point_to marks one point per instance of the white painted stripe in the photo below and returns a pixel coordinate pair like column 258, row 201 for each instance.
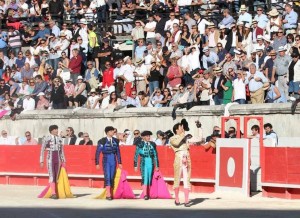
column 280, row 185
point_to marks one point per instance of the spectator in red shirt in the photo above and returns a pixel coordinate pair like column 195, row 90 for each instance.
column 108, row 75
column 75, row 65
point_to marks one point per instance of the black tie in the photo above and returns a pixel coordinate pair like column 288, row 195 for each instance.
column 54, row 140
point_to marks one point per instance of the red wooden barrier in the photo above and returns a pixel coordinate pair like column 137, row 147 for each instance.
column 20, row 165
column 281, row 172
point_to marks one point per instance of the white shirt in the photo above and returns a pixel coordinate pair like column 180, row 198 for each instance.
column 84, row 35
column 141, row 70
column 169, row 25
column 150, row 25
column 68, row 33
column 31, row 61
column 233, row 44
column 55, row 30
column 28, row 104
column 239, row 89
column 201, row 25
column 184, row 2
column 7, row 141
column 194, row 60
column 105, row 102
column 116, row 73
column 127, row 71
column 92, row 100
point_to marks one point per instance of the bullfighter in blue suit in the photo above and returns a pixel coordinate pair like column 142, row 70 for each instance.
column 147, row 150
column 109, row 146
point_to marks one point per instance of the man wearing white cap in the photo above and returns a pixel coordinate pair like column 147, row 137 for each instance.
column 280, row 68
column 43, row 103
column 209, row 58
column 28, row 103
column 83, row 32
column 244, row 16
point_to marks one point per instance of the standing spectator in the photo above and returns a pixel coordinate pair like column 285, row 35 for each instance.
column 108, row 75
column 153, row 76
column 14, row 40
column 140, row 74
column 174, row 74
column 227, row 89
column 255, row 132
column 43, row 103
column 200, row 22
column 160, row 26
column 169, row 23
column 275, row 22
column 294, row 76
column 217, row 89
column 269, row 65
column 256, row 81
column 280, row 68
column 189, row 21
column 256, row 31
column 105, row 53
column 126, row 72
column 57, row 94
column 150, row 29
column 138, row 31
column 239, row 88
column 213, row 37
column 75, row 65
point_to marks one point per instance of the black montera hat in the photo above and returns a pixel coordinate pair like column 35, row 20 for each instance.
column 146, row 133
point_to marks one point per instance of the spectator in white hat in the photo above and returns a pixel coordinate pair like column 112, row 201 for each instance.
column 244, row 16
column 43, row 103
column 275, row 22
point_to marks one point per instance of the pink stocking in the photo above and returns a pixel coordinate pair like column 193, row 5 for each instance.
column 176, row 195
column 186, row 195
column 145, row 190
column 53, row 188
column 108, row 191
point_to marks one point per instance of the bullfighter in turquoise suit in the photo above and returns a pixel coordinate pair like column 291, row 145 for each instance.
column 147, row 150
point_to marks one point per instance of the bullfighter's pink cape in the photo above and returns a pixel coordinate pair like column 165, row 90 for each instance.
column 158, row 189
column 124, row 190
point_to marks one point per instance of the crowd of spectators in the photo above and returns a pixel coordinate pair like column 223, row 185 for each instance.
column 181, row 57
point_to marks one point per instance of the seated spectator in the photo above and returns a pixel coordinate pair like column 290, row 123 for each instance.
column 92, row 101
column 144, row 99
column 5, row 139
column 86, row 140
column 28, row 103
column 80, row 93
column 156, row 98
column 43, row 103
column 69, row 93
column 29, row 140
column 126, row 101
column 114, row 101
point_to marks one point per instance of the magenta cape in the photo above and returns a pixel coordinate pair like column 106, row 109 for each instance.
column 159, row 188
column 124, row 190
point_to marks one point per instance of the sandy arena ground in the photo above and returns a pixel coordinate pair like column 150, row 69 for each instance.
column 21, row 201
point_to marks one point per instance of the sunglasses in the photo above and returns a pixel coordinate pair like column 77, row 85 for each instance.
column 27, row 135
column 136, row 133
column 86, row 136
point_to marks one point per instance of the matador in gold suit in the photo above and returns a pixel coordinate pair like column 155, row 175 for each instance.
column 182, row 162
